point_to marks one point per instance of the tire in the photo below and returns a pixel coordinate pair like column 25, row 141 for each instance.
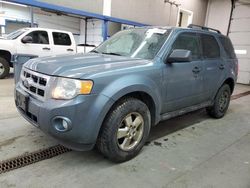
column 221, row 102
column 4, row 68
column 124, row 118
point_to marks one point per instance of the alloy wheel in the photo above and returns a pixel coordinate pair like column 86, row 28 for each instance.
column 2, row 69
column 130, row 131
column 223, row 101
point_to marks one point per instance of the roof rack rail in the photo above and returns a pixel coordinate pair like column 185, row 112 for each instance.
column 193, row 26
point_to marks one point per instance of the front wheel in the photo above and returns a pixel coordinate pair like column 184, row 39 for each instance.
column 125, row 130
column 4, row 68
column 221, row 102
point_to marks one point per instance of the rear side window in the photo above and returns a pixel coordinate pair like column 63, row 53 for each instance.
column 210, row 47
column 61, row 39
column 228, row 47
column 188, row 41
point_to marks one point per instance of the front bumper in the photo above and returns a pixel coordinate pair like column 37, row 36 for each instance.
column 86, row 113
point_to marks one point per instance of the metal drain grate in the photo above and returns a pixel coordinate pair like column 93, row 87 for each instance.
column 233, row 97
column 31, row 158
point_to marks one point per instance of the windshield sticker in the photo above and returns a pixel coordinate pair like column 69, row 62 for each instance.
column 150, row 32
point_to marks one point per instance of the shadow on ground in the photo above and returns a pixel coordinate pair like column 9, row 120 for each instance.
column 163, row 129
column 167, row 127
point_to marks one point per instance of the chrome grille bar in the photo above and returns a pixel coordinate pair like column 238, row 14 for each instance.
column 34, row 83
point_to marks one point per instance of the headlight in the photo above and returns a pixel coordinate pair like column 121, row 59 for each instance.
column 66, row 88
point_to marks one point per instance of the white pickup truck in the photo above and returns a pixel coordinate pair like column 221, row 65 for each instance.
column 37, row 42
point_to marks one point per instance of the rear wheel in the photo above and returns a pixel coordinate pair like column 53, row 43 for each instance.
column 4, row 68
column 125, row 130
column 221, row 102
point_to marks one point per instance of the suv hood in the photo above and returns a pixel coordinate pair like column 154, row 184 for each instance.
column 82, row 65
column 5, row 42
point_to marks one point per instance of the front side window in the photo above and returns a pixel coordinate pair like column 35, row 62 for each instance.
column 210, row 47
column 39, row 37
column 188, row 41
column 61, row 39
column 136, row 43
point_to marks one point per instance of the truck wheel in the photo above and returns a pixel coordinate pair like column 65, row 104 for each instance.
column 221, row 102
column 125, row 130
column 4, row 68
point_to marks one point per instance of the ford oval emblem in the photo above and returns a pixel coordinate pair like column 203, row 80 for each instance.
column 27, row 82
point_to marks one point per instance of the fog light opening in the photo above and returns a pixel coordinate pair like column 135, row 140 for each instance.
column 62, row 124
column 65, row 124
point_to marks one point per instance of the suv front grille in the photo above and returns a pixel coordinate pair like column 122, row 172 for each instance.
column 34, row 83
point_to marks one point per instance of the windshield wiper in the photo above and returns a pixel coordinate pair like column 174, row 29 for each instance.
column 94, row 51
column 111, row 53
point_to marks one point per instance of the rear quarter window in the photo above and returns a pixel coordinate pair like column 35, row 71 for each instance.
column 210, row 47
column 61, row 39
column 228, row 47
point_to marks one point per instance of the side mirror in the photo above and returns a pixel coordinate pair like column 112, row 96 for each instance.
column 27, row 39
column 179, row 56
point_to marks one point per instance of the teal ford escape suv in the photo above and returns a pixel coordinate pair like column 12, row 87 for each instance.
column 112, row 96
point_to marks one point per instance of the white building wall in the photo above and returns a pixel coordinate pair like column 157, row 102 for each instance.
column 157, row 12
column 44, row 19
column 53, row 21
column 82, row 32
column 218, row 14
column 145, row 11
column 95, row 6
column 11, row 12
column 94, row 32
column 240, row 36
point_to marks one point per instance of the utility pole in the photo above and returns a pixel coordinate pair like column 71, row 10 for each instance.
column 31, row 17
column 231, row 15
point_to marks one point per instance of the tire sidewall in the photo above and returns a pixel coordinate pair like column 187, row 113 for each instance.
column 122, row 111
column 219, row 113
column 5, row 63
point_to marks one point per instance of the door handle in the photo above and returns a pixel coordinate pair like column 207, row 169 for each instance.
column 221, row 66
column 196, row 70
column 70, row 50
column 46, row 48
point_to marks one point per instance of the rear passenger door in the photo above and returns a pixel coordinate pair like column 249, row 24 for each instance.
column 184, row 81
column 63, row 43
column 214, row 65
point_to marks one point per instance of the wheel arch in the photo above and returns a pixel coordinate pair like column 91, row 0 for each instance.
column 104, row 105
column 136, row 86
column 6, row 55
column 230, row 81
column 145, row 98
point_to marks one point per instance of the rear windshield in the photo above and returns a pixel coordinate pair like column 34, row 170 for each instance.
column 228, row 47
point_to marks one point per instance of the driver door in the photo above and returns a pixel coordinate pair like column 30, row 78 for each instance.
column 39, row 46
column 184, row 80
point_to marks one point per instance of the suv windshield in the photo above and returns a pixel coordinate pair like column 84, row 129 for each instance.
column 137, row 43
column 15, row 34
